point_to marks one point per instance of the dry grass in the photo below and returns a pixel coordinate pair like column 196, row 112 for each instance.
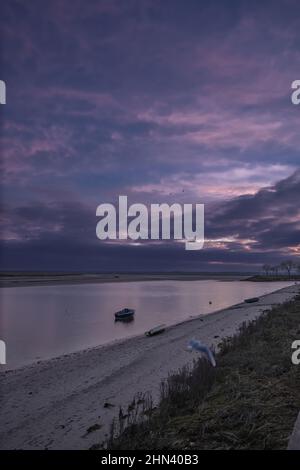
column 250, row 401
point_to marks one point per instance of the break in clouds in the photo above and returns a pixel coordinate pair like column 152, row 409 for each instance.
column 241, row 232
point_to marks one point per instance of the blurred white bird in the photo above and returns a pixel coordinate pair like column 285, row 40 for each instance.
column 203, row 349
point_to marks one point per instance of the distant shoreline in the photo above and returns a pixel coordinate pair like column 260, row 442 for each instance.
column 278, row 278
column 41, row 279
column 51, row 279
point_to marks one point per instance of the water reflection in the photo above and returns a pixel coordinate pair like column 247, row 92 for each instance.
column 47, row 321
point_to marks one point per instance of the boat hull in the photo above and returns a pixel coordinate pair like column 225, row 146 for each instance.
column 156, row 331
column 125, row 314
column 252, row 300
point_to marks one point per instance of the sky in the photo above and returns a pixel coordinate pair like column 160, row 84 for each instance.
column 162, row 101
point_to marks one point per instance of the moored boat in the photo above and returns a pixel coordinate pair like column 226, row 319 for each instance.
column 156, row 331
column 124, row 314
column 251, row 300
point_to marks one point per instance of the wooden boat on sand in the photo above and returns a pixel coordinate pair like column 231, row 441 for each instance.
column 251, row 300
column 156, row 331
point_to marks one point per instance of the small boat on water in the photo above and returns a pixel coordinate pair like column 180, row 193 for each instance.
column 156, row 331
column 251, row 300
column 125, row 314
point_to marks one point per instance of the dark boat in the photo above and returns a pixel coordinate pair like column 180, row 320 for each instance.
column 124, row 314
column 251, row 300
column 156, row 331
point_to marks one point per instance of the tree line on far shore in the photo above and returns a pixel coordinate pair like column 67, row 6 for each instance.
column 287, row 267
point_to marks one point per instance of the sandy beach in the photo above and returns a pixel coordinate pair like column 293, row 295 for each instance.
column 52, row 404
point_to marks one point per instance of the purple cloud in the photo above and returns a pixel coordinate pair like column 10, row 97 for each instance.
column 158, row 100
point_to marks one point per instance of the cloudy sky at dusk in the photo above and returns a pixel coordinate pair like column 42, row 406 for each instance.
column 163, row 101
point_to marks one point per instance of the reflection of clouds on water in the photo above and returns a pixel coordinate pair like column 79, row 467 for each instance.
column 48, row 321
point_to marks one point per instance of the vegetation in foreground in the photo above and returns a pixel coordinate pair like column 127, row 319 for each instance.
column 250, row 401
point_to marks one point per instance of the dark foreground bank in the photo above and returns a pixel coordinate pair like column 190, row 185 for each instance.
column 250, row 401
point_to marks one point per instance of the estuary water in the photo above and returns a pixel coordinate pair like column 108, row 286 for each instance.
column 42, row 322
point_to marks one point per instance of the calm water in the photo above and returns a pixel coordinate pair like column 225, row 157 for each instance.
column 47, row 321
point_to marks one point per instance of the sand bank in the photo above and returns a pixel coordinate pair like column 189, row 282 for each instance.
column 47, row 279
